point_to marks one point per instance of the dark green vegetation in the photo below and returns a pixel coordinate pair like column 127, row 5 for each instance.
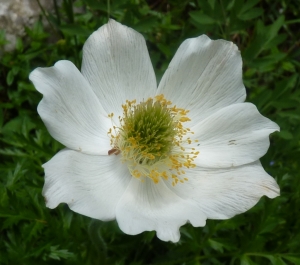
column 267, row 33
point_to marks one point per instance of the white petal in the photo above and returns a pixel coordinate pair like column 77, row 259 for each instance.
column 90, row 185
column 116, row 63
column 70, row 109
column 146, row 206
column 223, row 193
column 233, row 136
column 203, row 77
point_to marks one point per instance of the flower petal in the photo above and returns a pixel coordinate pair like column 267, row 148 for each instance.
column 116, row 63
column 223, row 193
column 233, row 136
column 70, row 109
column 90, row 185
column 146, row 206
column 203, row 77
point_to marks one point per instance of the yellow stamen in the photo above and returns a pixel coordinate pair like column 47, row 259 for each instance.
column 150, row 139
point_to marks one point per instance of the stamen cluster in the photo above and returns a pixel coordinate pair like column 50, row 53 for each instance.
column 150, row 139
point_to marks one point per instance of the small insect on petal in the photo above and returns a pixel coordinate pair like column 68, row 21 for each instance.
column 114, row 151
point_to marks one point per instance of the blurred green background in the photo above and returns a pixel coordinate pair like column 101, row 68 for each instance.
column 267, row 33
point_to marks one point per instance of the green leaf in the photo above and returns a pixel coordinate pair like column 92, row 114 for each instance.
column 19, row 45
column 10, row 77
column 295, row 258
column 251, row 14
column 216, row 245
column 58, row 254
column 201, row 18
column 245, row 260
column 275, row 27
column 212, row 4
column 263, row 37
column 248, row 5
column 146, row 24
column 285, row 135
column 3, row 40
column 75, row 30
column 97, row 5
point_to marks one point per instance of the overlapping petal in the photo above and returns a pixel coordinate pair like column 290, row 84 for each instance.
column 204, row 76
column 90, row 185
column 223, row 193
column 116, row 63
column 70, row 110
column 233, row 136
column 146, row 206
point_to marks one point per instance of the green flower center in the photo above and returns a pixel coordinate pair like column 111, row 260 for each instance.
column 150, row 139
column 149, row 131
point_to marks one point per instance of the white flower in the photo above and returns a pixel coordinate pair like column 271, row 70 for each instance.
column 153, row 158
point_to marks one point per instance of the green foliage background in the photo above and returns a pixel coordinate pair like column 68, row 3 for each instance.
column 267, row 33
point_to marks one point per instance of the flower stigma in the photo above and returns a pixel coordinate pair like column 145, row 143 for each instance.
column 150, row 140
